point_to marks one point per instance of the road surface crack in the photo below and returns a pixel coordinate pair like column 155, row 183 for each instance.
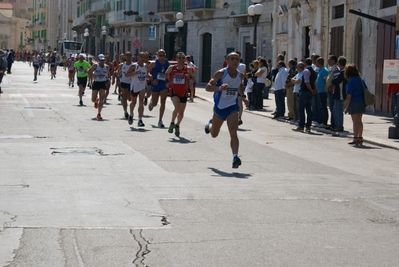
column 143, row 248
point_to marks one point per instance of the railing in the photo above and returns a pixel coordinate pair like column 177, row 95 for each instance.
column 79, row 20
column 200, row 4
column 169, row 6
column 100, row 6
column 119, row 16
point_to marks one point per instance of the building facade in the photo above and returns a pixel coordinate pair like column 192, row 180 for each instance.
column 15, row 22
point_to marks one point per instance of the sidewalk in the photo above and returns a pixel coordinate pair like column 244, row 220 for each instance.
column 375, row 126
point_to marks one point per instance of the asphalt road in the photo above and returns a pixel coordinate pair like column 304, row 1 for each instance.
column 77, row 192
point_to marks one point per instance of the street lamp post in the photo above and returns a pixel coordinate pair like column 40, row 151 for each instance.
column 74, row 35
column 86, row 35
column 103, row 33
column 255, row 11
column 179, row 25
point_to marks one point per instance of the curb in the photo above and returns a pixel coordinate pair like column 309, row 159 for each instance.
column 337, row 134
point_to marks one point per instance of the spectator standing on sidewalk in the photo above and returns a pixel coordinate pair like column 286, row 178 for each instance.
column 297, row 80
column 279, row 89
column 320, row 99
column 339, row 93
column 3, row 66
column 241, row 68
column 354, row 102
column 332, row 68
column 393, row 89
column 306, row 92
column 289, row 89
column 10, row 60
column 258, row 88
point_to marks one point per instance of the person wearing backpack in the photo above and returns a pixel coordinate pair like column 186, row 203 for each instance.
column 3, row 66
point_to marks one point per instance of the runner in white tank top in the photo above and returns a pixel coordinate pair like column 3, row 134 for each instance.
column 138, row 74
column 125, row 82
column 227, row 86
column 100, row 73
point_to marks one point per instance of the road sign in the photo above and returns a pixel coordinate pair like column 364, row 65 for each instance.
column 136, row 44
column 391, row 71
column 111, row 40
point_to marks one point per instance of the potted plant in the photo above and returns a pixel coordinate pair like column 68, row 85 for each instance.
column 151, row 13
column 138, row 18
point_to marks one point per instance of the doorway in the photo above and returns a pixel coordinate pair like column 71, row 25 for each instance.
column 206, row 57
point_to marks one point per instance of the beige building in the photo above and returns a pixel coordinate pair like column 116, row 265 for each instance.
column 15, row 33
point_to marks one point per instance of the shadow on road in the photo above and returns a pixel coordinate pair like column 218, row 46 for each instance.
column 181, row 140
column 230, row 175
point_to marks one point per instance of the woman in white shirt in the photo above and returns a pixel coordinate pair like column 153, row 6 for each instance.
column 260, row 75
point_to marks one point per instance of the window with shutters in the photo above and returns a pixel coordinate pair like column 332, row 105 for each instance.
column 337, row 41
column 338, row 12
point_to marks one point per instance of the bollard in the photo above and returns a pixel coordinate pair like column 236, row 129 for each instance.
column 393, row 132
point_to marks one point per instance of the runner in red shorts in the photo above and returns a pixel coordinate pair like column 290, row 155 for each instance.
column 178, row 76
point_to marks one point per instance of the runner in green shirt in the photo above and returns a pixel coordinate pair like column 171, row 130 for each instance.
column 81, row 67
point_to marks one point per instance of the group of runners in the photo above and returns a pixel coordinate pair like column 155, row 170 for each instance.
column 136, row 83
column 151, row 81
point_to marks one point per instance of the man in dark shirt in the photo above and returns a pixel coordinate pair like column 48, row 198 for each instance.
column 306, row 92
column 339, row 95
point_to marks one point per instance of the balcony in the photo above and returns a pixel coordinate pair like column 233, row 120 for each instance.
column 200, row 7
column 100, row 7
column 41, row 6
column 118, row 18
column 168, row 8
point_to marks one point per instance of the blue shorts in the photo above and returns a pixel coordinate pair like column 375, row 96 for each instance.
column 224, row 113
column 158, row 88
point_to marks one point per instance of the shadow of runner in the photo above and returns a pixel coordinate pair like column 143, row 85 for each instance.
column 230, row 175
column 181, row 140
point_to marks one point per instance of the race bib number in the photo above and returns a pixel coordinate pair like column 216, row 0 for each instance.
column 142, row 77
column 231, row 92
column 100, row 76
column 161, row 76
column 81, row 70
column 178, row 79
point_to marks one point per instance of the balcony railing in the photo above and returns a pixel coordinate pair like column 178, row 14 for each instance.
column 100, row 6
column 200, row 4
column 169, row 5
column 115, row 17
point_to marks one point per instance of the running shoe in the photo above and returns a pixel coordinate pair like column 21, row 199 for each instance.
column 171, row 126
column 96, row 103
column 307, row 129
column 81, row 102
column 145, row 101
column 99, row 116
column 298, row 129
column 160, row 124
column 35, row 79
column 236, row 162
column 72, row 84
column 140, row 124
column 239, row 121
column 177, row 130
column 130, row 119
column 126, row 115
column 150, row 107
column 208, row 127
